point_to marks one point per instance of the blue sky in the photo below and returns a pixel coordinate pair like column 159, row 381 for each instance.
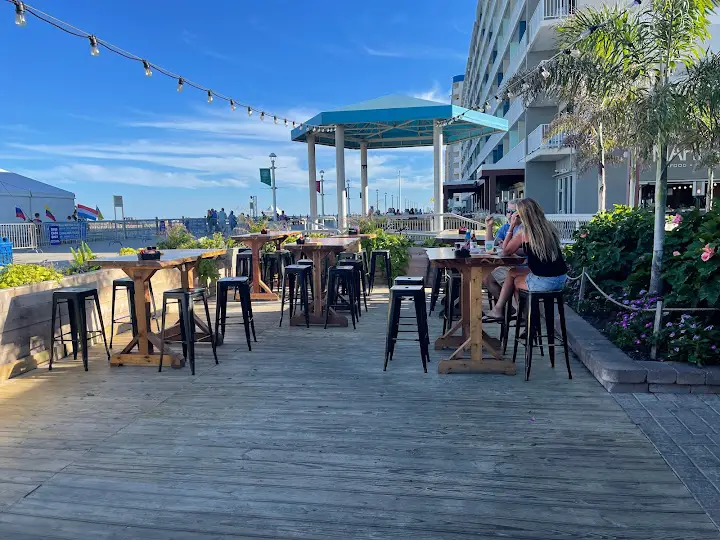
column 98, row 127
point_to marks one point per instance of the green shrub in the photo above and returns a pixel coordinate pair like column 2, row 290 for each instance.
column 81, row 260
column 15, row 275
column 178, row 237
column 399, row 246
column 128, row 251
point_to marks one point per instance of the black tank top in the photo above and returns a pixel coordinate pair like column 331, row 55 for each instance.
column 545, row 268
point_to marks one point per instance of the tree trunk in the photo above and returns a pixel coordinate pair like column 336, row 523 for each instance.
column 709, row 190
column 601, row 169
column 656, row 283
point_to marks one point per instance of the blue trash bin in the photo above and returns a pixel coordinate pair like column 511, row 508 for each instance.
column 6, row 252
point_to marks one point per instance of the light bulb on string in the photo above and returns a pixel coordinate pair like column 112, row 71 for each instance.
column 181, row 82
column 275, row 119
column 293, row 124
column 94, row 51
column 232, row 105
column 286, row 122
column 249, row 112
column 575, row 53
column 525, row 87
column 262, row 116
column 544, row 72
column 497, row 99
column 20, row 14
column 148, row 71
column 210, row 96
column 486, row 108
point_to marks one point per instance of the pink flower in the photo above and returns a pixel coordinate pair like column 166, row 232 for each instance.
column 583, row 235
column 706, row 256
column 677, row 218
column 676, row 253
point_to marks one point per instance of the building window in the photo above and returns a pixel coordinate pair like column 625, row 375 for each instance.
column 565, row 194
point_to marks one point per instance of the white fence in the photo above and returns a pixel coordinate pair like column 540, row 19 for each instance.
column 567, row 224
column 22, row 235
column 549, row 10
column 540, row 138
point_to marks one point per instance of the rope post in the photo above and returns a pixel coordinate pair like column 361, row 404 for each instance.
column 583, row 284
column 656, row 328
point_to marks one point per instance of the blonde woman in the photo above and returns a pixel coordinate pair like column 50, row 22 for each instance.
column 539, row 240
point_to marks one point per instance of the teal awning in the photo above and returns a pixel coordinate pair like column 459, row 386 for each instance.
column 398, row 121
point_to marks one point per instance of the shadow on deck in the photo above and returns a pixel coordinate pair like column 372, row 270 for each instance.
column 307, row 437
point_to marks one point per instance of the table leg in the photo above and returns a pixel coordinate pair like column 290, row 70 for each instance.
column 317, row 317
column 148, row 343
column 260, row 290
column 476, row 339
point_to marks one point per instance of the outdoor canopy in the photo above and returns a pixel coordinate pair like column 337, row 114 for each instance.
column 32, row 196
column 393, row 121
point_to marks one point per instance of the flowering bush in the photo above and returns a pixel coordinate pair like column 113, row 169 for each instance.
column 15, row 275
column 632, row 330
column 690, row 339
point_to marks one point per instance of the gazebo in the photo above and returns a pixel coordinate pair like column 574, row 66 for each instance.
column 393, row 121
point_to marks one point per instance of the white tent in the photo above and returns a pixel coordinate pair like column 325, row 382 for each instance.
column 32, row 196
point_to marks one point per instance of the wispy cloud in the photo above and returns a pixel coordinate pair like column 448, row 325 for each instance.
column 434, row 94
column 415, row 52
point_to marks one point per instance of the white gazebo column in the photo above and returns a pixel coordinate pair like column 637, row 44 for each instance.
column 340, row 175
column 312, row 180
column 438, row 175
column 363, row 179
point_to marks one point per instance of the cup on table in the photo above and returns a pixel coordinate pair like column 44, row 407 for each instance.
column 489, row 245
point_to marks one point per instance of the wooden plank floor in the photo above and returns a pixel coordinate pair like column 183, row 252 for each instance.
column 307, row 437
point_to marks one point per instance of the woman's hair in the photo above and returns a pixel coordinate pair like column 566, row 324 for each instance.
column 540, row 234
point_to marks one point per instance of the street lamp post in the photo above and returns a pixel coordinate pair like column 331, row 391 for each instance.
column 273, row 187
column 377, row 200
column 322, row 197
column 386, row 206
column 347, row 195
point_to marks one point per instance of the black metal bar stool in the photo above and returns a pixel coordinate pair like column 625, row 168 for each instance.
column 360, row 289
column 453, row 287
column 341, row 278
column 529, row 307
column 240, row 287
column 308, row 262
column 128, row 285
column 296, row 275
column 243, row 264
column 439, row 279
column 76, row 298
column 186, row 299
column 383, row 254
column 416, row 293
column 410, row 280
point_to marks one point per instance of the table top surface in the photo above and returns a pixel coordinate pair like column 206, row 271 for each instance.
column 362, row 236
column 447, row 255
column 169, row 258
column 448, row 237
column 324, row 243
column 270, row 235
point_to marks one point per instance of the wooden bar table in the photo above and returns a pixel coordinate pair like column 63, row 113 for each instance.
column 319, row 249
column 260, row 289
column 472, row 336
column 147, row 342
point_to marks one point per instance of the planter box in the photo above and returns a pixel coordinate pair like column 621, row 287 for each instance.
column 25, row 314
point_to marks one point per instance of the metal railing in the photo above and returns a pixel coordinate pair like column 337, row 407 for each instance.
column 22, row 235
column 567, row 224
column 540, row 139
column 548, row 10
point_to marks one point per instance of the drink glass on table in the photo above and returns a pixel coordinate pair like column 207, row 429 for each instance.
column 489, row 245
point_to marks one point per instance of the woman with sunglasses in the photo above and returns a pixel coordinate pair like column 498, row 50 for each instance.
column 546, row 269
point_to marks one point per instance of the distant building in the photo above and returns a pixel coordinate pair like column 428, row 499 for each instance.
column 514, row 35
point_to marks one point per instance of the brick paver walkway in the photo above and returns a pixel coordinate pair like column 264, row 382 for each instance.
column 685, row 429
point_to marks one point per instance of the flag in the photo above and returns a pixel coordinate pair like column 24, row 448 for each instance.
column 99, row 213
column 317, row 185
column 48, row 213
column 20, row 214
column 85, row 212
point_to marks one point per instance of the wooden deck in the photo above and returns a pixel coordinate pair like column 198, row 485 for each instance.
column 307, row 437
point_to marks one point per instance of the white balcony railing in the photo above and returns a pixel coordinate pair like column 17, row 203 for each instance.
column 539, row 139
column 548, row 10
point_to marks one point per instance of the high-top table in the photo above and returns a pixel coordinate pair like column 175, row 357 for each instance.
column 260, row 289
column 147, row 342
column 319, row 249
column 472, row 336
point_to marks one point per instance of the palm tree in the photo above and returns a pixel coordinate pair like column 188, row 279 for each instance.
column 635, row 65
column 701, row 90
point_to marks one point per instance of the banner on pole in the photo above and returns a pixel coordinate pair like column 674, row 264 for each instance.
column 317, row 186
column 265, row 177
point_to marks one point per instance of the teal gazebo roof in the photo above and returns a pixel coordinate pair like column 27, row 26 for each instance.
column 398, row 121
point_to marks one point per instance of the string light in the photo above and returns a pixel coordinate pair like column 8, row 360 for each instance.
column 94, row 51
column 544, row 72
column 20, row 14
column 22, row 10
